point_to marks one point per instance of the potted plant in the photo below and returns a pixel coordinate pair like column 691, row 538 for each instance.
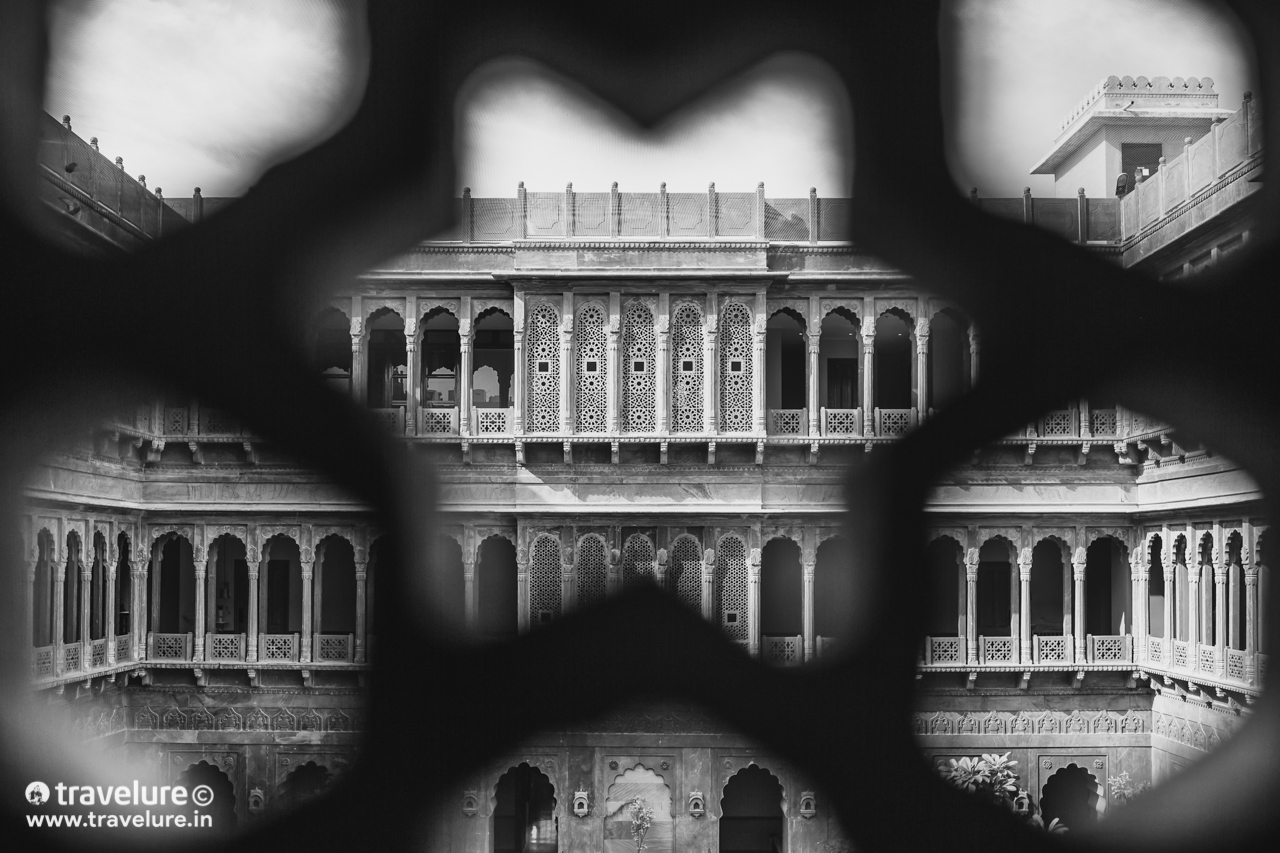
column 995, row 779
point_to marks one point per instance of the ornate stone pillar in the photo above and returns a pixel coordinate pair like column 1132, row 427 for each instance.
column 465, row 370
column 109, row 614
column 973, row 355
column 413, row 374
column 1220, row 613
column 1250, row 620
column 201, row 566
column 568, row 374
column 753, row 603
column 568, row 573
column 1024, row 601
column 357, row 360
column 660, row 568
column 709, row 585
column 971, row 605
column 362, row 621
column 613, row 571
column 86, row 611
column 710, row 370
column 1139, row 595
column 522, row 588
column 1077, row 595
column 757, row 364
column 257, row 574
column 29, row 599
column 469, row 599
column 308, row 562
column 868, row 375
column 59, row 573
column 662, row 379
column 815, row 339
column 1193, row 614
column 520, row 367
column 612, row 331
column 808, row 565
column 140, row 570
column 922, row 370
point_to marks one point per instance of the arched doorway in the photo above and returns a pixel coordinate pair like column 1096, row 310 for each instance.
column 496, row 586
column 124, row 593
column 334, row 600
column 173, row 588
column 332, row 349
column 1073, row 796
column 832, row 593
column 949, row 357
column 1047, row 589
column 493, row 351
column 223, row 806
column 388, row 356
column 786, row 363
column 43, row 603
column 839, row 343
column 894, row 362
column 781, row 603
column 228, row 598
column 524, row 818
column 684, row 575
column 1106, row 588
column 304, row 782
column 439, row 359
column 71, row 613
column 638, row 783
column 1155, row 588
column 591, row 570
column 752, row 820
column 946, row 579
column 995, row 577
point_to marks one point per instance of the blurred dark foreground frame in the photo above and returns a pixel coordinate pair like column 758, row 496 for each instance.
column 1055, row 322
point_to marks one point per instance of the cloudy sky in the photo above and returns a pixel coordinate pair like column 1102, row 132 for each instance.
column 210, row 93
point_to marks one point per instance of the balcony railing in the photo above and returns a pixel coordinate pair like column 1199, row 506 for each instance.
column 124, row 648
column 1051, row 648
column 97, row 653
column 841, row 421
column 997, row 649
column 1108, row 648
column 1155, row 649
column 1058, row 424
column 1236, row 664
column 224, row 646
column 169, row 646
column 944, row 650
column 1181, row 654
column 42, row 662
column 788, row 422
column 334, row 647
column 71, row 657
column 1104, row 422
column 783, row 651
column 282, row 647
column 491, row 422
column 437, row 421
column 1207, row 659
column 891, row 423
column 392, row 419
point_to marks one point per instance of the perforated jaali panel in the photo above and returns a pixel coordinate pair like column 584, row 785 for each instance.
column 686, row 369
column 544, row 579
column 731, row 586
column 639, row 413
column 591, row 570
column 637, row 560
column 593, row 372
column 735, row 368
column 542, row 349
column 684, row 575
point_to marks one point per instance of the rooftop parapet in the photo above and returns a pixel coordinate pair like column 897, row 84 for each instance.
column 82, row 183
column 1141, row 93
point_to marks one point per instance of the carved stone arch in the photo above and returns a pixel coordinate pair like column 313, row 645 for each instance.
column 396, row 305
column 640, row 764
column 956, row 537
column 1011, row 536
column 852, row 307
column 798, row 309
column 427, row 308
column 323, row 532
column 791, row 534
column 1123, row 535
column 547, row 765
column 481, row 308
column 268, row 532
column 825, row 533
column 909, row 307
column 156, row 531
column 647, row 300
column 732, row 765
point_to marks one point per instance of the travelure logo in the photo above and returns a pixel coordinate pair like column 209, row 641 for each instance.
column 37, row 793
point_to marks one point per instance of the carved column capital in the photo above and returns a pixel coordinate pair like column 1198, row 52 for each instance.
column 1024, row 564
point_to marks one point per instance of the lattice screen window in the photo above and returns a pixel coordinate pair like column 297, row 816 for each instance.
column 684, row 574
column 593, row 372
column 686, row 369
column 544, row 579
column 592, row 571
column 731, row 586
column 736, row 348
column 639, row 412
column 637, row 560
column 542, row 345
